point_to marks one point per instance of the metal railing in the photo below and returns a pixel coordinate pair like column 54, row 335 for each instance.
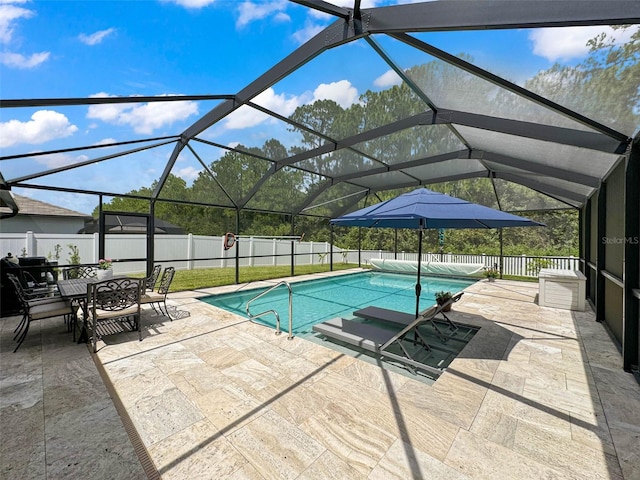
column 252, row 317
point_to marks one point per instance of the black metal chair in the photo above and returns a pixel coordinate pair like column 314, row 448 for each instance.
column 36, row 309
column 153, row 278
column 30, row 287
column 114, row 299
column 159, row 297
column 79, row 272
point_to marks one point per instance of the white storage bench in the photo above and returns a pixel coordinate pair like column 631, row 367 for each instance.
column 562, row 289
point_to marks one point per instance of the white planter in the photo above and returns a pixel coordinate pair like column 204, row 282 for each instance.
column 104, row 274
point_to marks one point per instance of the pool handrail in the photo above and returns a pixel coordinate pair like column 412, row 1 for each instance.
column 251, row 316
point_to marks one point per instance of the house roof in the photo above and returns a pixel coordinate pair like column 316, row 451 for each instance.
column 29, row 206
column 130, row 224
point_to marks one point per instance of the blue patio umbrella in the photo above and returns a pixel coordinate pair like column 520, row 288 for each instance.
column 422, row 209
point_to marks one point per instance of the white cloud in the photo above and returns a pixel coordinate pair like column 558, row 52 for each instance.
column 191, row 3
column 309, row 31
column 143, row 118
column 571, row 42
column 388, row 79
column 106, row 141
column 246, row 117
column 97, row 37
column 9, row 13
column 250, row 11
column 341, row 92
column 44, row 125
column 17, row 60
column 282, row 17
column 56, row 160
column 188, row 174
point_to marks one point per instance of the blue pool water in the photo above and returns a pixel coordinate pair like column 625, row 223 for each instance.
column 317, row 300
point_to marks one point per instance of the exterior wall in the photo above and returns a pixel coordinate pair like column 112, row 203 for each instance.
column 41, row 224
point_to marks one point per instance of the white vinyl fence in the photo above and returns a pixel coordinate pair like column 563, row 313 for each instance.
column 186, row 252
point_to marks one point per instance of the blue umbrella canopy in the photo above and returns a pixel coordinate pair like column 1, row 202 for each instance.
column 423, row 208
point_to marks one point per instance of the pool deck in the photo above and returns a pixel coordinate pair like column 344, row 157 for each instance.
column 537, row 393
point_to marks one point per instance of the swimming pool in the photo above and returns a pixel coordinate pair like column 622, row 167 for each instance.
column 317, row 300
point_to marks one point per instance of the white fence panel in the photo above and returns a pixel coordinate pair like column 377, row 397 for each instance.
column 206, row 247
column 14, row 243
column 183, row 252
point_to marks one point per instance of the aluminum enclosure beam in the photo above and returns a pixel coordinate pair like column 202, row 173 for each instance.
column 86, row 162
column 543, row 187
column 63, row 102
column 536, row 131
column 495, row 14
column 419, row 119
column 510, row 86
column 325, row 7
column 631, row 318
column 462, row 154
column 539, row 168
column 173, row 138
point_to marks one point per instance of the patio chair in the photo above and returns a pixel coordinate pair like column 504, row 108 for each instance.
column 114, row 299
column 79, row 272
column 159, row 297
column 150, row 281
column 36, row 309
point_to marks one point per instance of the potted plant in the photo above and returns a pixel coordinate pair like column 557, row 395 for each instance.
column 491, row 273
column 104, row 269
column 443, row 297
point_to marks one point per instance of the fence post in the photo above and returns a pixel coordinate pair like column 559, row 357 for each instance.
column 251, row 251
column 311, row 252
column 223, row 254
column 96, row 248
column 189, row 251
column 274, row 262
column 29, row 245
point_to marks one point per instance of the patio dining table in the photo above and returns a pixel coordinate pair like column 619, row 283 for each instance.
column 75, row 290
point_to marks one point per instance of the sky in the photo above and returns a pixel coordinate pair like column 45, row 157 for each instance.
column 71, row 49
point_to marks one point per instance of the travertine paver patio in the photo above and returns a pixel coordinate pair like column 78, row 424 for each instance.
column 538, row 393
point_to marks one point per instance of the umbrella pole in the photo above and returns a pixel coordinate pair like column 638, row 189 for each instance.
column 418, row 286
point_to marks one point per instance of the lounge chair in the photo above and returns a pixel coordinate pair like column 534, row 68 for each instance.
column 381, row 340
column 159, row 297
column 386, row 315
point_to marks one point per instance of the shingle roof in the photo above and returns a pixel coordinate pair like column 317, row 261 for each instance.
column 29, row 206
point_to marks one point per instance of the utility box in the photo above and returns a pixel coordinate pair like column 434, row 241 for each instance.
column 562, row 289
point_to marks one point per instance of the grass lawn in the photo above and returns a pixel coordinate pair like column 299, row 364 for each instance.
column 216, row 277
